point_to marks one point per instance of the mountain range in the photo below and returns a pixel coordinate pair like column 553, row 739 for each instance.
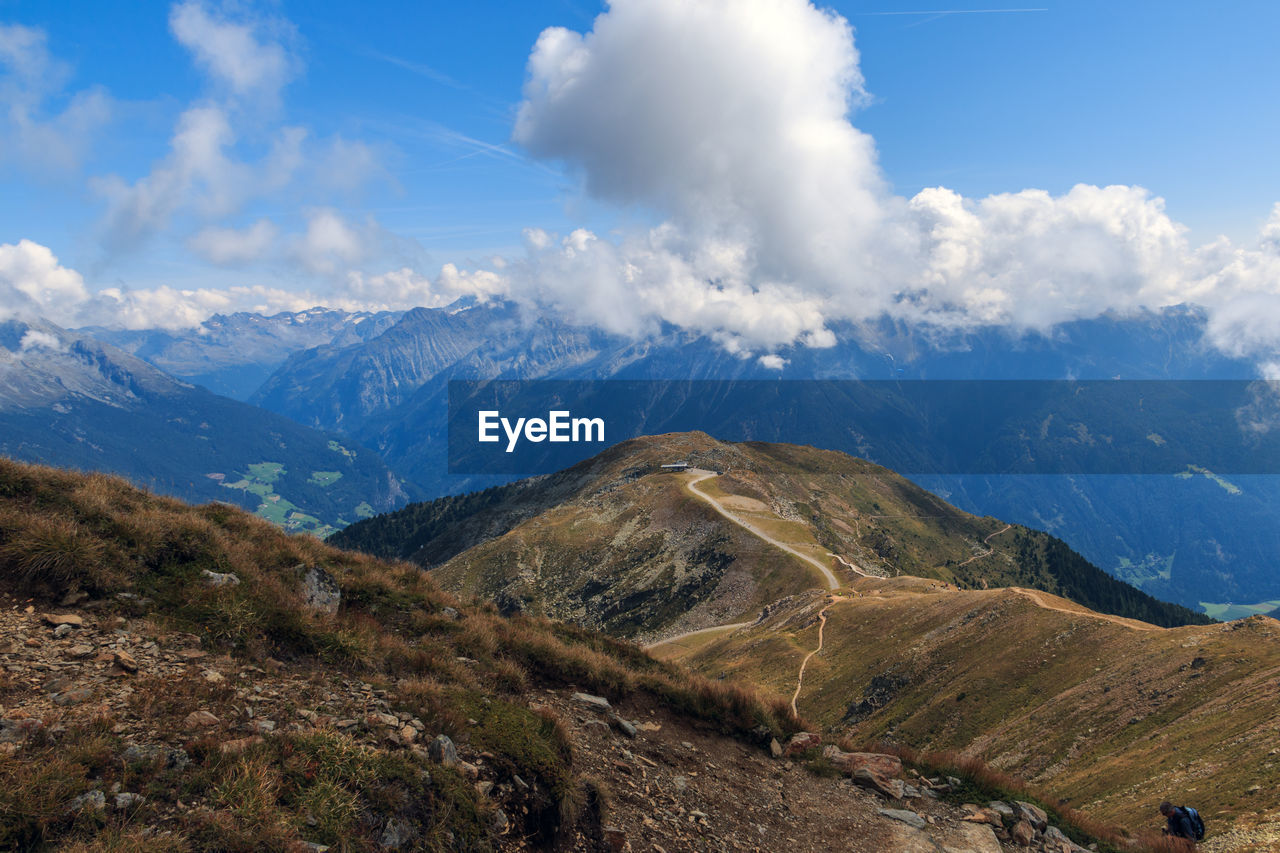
column 1192, row 539
column 67, row 399
column 1200, row 537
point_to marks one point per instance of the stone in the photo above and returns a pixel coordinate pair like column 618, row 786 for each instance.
column 443, row 752
column 801, row 742
column 63, row 630
column 396, row 835
column 775, row 748
column 625, row 726
column 200, row 720
column 408, row 734
column 239, row 745
column 65, row 619
column 320, row 590
column 469, row 770
column 125, row 661
column 1023, row 833
column 483, row 788
column 847, row 762
column 219, row 578
column 597, row 703
column 615, row 840
column 974, row 838
column 865, row 777
column 499, row 822
column 92, row 801
column 126, row 801
column 988, row 816
column 12, row 730
column 73, row 697
column 1032, row 814
column 213, row 676
column 450, row 612
column 909, row 818
column 80, row 651
column 72, row 598
column 57, row 684
column 1002, row 808
column 263, row 727
column 136, row 753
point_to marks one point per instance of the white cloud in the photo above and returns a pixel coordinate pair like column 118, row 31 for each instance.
column 173, row 308
column 34, row 284
column 404, row 288
column 36, row 339
column 730, row 119
column 229, row 151
column 772, row 361
column 32, row 134
column 245, row 55
column 729, row 116
column 332, row 245
column 235, row 247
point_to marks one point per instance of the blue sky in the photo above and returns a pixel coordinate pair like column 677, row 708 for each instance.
column 1177, row 98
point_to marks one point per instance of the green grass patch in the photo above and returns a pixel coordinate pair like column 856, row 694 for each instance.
column 324, row 478
column 1229, row 611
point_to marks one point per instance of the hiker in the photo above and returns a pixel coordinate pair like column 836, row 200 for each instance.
column 1182, row 822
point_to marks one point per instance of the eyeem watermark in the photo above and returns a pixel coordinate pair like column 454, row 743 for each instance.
column 558, row 427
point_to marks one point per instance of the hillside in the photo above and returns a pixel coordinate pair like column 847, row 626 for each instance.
column 233, row 354
column 1109, row 715
column 606, row 542
column 190, row 678
column 68, row 400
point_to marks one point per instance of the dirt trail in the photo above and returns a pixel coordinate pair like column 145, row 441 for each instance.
column 687, row 634
column 853, row 568
column 822, row 626
column 986, row 542
column 692, row 485
column 1119, row 620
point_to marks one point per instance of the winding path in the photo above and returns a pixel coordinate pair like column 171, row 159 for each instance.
column 687, row 634
column 986, row 542
column 822, row 625
column 692, row 486
column 1135, row 624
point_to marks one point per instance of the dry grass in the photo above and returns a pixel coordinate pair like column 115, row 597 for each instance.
column 62, row 531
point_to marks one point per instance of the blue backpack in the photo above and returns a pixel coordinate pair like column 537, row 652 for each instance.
column 1197, row 823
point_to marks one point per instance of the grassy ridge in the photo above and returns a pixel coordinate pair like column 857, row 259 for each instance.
column 618, row 510
column 143, row 557
column 1102, row 714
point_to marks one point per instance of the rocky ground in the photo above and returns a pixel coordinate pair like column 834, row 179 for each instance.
column 672, row 786
column 665, row 784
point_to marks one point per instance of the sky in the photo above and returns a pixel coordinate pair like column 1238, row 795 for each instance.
column 755, row 170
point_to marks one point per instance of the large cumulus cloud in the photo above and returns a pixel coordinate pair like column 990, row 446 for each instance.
column 731, row 120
